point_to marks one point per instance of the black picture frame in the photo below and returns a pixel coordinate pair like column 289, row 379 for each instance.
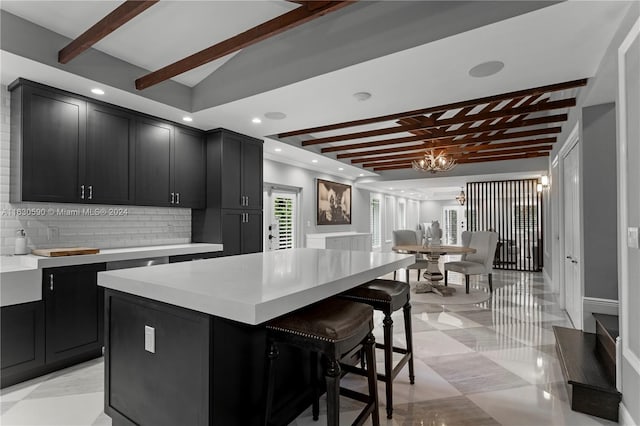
column 333, row 203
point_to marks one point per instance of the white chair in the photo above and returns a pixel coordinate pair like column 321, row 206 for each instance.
column 408, row 237
column 480, row 262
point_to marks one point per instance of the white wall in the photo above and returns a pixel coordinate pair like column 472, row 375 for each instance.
column 140, row 226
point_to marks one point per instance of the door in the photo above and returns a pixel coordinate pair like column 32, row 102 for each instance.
column 188, row 168
column 571, row 206
column 232, row 221
column 252, row 232
column 232, row 171
column 73, row 311
column 107, row 170
column 280, row 219
column 153, row 163
column 54, row 129
column 252, row 174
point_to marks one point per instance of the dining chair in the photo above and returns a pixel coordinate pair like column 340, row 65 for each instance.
column 478, row 263
column 409, row 237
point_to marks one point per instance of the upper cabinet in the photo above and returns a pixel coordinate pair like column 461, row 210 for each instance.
column 48, row 132
column 67, row 148
column 239, row 160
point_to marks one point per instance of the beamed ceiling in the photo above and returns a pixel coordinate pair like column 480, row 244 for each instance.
column 515, row 125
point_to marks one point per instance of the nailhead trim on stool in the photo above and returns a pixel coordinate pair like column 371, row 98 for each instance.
column 388, row 296
column 333, row 328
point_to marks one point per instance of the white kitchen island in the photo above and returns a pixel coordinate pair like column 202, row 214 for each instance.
column 184, row 342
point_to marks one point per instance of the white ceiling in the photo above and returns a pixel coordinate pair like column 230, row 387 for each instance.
column 554, row 44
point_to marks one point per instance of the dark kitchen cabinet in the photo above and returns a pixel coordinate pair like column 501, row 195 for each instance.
column 108, row 166
column 21, row 340
column 73, row 311
column 169, row 165
column 48, row 129
column 241, row 231
column 188, row 168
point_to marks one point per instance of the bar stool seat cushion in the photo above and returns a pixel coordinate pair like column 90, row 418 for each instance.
column 330, row 320
column 388, row 292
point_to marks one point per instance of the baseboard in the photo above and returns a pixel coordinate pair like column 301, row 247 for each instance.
column 624, row 417
column 594, row 305
column 547, row 279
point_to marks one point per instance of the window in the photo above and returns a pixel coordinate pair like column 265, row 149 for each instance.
column 283, row 214
column 374, row 223
column 402, row 215
column 450, row 226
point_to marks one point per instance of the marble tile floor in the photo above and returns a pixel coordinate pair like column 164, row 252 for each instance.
column 492, row 363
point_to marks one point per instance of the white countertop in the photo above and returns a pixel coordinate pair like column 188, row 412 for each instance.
column 21, row 276
column 254, row 288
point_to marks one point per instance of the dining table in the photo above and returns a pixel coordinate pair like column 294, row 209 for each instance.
column 432, row 275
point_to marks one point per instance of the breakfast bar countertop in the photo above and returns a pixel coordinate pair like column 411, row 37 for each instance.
column 254, row 288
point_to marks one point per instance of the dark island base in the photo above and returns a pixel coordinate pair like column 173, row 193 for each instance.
column 205, row 370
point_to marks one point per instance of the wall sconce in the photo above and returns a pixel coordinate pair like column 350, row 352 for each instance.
column 461, row 198
column 544, row 183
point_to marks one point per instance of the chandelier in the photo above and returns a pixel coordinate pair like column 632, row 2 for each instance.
column 432, row 162
column 461, row 198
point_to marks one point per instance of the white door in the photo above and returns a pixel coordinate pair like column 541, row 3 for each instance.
column 280, row 219
column 571, row 207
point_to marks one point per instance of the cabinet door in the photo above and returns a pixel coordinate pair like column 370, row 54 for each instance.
column 252, row 175
column 73, row 311
column 232, row 232
column 252, row 232
column 22, row 338
column 108, row 165
column 54, row 129
column 153, row 163
column 188, row 168
column 231, row 172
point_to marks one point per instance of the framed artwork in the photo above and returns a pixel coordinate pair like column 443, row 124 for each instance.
column 334, row 203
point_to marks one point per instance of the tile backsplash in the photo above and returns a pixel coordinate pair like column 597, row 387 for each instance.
column 72, row 225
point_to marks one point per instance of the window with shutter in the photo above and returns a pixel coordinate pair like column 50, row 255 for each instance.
column 374, row 223
column 284, row 214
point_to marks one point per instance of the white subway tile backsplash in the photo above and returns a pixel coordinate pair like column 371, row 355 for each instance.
column 141, row 226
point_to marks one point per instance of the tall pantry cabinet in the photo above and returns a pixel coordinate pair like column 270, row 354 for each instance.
column 233, row 214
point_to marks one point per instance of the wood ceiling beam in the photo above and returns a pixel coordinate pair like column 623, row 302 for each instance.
column 114, row 20
column 419, row 152
column 492, row 115
column 455, row 105
column 464, row 161
column 247, row 38
column 428, row 142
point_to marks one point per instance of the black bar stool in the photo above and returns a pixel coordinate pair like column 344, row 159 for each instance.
column 388, row 296
column 332, row 328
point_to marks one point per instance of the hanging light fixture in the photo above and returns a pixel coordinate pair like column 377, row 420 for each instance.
column 432, row 162
column 461, row 198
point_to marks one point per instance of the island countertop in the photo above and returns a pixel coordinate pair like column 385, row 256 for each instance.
column 254, row 288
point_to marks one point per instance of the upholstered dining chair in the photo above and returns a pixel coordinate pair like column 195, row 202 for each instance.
column 408, row 237
column 478, row 263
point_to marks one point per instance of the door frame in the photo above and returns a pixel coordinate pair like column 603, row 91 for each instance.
column 572, row 141
column 267, row 190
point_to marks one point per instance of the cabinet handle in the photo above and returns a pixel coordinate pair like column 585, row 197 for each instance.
column 247, row 202
column 91, row 192
column 172, row 197
column 51, row 282
column 82, row 192
column 177, row 198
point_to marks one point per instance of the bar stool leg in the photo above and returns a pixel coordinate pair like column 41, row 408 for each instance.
column 272, row 355
column 370, row 353
column 332, row 378
column 409, row 336
column 388, row 360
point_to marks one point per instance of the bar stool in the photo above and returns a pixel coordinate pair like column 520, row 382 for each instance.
column 332, row 328
column 388, row 296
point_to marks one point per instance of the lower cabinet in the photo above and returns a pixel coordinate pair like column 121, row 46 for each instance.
column 73, row 311
column 63, row 329
column 241, row 231
column 22, row 335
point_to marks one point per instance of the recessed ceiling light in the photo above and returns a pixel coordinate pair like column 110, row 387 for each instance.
column 390, row 189
column 277, row 149
column 187, row 119
column 314, row 161
column 97, row 91
column 361, row 174
column 275, row 115
column 256, row 120
column 486, row 69
column 402, row 191
column 341, row 168
column 362, row 96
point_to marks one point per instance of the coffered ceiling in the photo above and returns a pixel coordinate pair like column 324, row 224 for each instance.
column 408, row 54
